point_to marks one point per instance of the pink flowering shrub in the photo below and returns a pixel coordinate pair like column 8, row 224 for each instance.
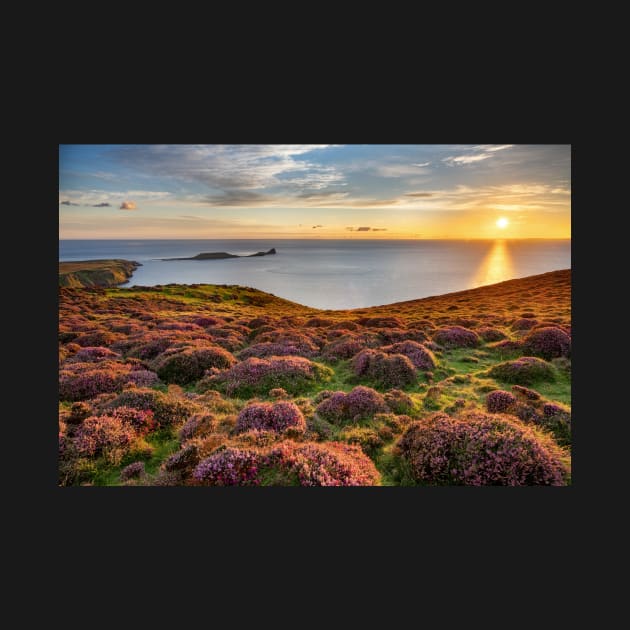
column 141, row 420
column 382, row 322
column 79, row 381
column 257, row 376
column 188, row 364
column 269, row 349
column 93, row 354
column 319, row 322
column 366, row 437
column 487, row 333
column 526, row 393
column 345, row 347
column 96, row 338
column 184, row 460
column 398, row 401
column 319, row 464
column 150, row 349
column 167, row 410
column 548, row 343
column 198, row 425
column 481, row 449
column 456, row 337
column 385, row 370
column 524, row 323
column 289, row 464
column 142, row 378
column 359, row 404
column 103, row 435
column 132, row 471
column 524, row 370
column 499, row 401
column 421, row 357
column 266, row 416
column 229, row 467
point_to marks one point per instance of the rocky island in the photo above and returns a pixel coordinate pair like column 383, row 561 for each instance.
column 96, row 273
column 221, row 255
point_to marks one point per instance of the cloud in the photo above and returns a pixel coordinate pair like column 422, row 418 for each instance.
column 68, row 203
column 94, row 197
column 400, row 170
column 232, row 167
column 366, row 229
column 419, row 194
column 128, row 205
column 482, row 152
column 104, row 204
column 317, row 226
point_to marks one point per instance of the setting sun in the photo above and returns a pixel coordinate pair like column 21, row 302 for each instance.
column 502, row 223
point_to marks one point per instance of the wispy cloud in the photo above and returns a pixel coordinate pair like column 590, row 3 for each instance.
column 401, row 170
column 104, row 204
column 128, row 205
column 479, row 153
column 232, row 167
column 366, row 229
column 65, row 202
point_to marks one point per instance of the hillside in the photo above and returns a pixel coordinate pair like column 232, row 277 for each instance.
column 228, row 385
column 91, row 273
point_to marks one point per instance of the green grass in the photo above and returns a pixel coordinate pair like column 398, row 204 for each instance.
column 164, row 444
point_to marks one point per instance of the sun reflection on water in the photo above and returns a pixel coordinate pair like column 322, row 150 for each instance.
column 496, row 266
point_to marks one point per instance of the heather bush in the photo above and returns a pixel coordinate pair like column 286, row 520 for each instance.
column 456, row 337
column 529, row 394
column 94, row 354
column 421, row 357
column 277, row 417
column 269, row 349
column 167, row 410
column 481, row 449
column 96, row 338
column 319, row 428
column 257, row 376
column 319, row 464
column 398, row 401
column 132, row 471
column 346, row 347
column 525, row 370
column 526, row 413
column 141, row 420
column 229, row 467
column 523, row 324
column 548, row 343
column 198, row 425
column 187, row 365
column 183, row 460
column 384, row 370
column 103, row 435
column 487, row 333
column 499, row 401
column 359, row 404
column 79, row 381
column 382, row 322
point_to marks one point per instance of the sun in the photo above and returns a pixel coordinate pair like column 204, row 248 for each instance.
column 502, row 223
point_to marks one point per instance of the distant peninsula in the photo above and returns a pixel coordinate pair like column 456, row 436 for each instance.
column 220, row 255
column 96, row 273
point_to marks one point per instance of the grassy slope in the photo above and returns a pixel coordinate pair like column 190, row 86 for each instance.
column 461, row 372
column 89, row 273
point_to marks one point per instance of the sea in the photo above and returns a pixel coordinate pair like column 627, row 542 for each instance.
column 334, row 274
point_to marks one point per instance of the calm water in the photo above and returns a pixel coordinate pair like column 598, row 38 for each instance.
column 334, row 274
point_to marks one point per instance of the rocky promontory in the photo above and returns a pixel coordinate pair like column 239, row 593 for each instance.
column 96, row 273
column 222, row 255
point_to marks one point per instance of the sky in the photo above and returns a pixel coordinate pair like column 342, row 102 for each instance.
column 315, row 191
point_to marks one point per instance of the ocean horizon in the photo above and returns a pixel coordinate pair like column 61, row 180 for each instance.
column 333, row 273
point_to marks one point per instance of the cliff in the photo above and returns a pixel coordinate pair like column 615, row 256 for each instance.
column 96, row 273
